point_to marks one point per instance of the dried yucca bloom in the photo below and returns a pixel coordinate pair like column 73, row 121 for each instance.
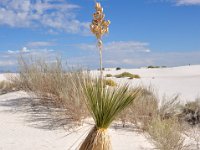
column 99, row 26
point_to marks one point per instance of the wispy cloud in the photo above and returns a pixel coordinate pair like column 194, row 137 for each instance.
column 40, row 44
column 188, row 2
column 181, row 2
column 9, row 59
column 141, row 60
column 125, row 46
column 133, row 54
column 23, row 50
column 56, row 15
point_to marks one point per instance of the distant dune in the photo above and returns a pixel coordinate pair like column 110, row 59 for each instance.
column 183, row 80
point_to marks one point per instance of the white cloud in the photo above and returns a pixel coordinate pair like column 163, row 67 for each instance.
column 40, row 44
column 131, row 59
column 188, row 2
column 23, row 50
column 53, row 14
column 125, row 46
column 9, row 59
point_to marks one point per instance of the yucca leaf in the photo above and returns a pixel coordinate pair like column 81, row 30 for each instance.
column 105, row 103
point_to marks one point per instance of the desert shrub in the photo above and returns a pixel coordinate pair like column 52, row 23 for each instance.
column 142, row 110
column 7, row 86
column 190, row 112
column 108, row 75
column 151, row 67
column 118, row 68
column 166, row 134
column 135, row 76
column 53, row 85
column 160, row 121
column 110, row 82
column 169, row 107
column 127, row 74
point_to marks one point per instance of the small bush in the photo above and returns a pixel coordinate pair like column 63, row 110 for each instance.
column 153, row 67
column 110, row 82
column 191, row 112
column 169, row 107
column 135, row 76
column 118, row 68
column 109, row 75
column 166, row 134
column 127, row 74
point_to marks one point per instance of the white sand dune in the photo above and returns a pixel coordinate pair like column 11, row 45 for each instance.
column 21, row 128
column 19, row 133
column 184, row 80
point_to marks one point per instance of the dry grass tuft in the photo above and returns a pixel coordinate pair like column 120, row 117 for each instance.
column 7, row 86
column 166, row 134
column 54, row 86
column 142, row 110
column 169, row 107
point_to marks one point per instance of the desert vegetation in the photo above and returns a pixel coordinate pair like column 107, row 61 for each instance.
column 110, row 82
column 166, row 123
column 128, row 75
column 54, row 86
column 8, row 86
column 190, row 112
column 108, row 75
column 152, row 67
column 104, row 105
column 118, row 68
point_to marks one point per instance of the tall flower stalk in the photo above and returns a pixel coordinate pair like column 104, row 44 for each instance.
column 99, row 27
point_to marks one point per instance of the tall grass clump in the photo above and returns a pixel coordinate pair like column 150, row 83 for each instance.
column 167, row 134
column 143, row 109
column 170, row 107
column 104, row 105
column 54, row 85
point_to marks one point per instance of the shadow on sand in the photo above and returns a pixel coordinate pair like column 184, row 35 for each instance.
column 38, row 115
column 46, row 116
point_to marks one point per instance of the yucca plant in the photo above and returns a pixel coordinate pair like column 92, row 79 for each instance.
column 104, row 104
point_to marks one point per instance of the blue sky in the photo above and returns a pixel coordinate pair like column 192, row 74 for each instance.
column 142, row 32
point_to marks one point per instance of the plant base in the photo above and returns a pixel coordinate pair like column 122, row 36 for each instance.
column 97, row 139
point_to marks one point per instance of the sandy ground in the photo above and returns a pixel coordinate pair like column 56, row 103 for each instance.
column 23, row 128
